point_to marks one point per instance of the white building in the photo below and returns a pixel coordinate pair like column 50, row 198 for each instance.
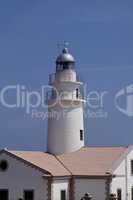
column 68, row 170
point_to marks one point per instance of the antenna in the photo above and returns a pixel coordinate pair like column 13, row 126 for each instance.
column 65, row 44
column 58, row 47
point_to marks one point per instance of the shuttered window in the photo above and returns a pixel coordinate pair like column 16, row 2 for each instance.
column 132, row 167
column 132, row 193
column 119, row 194
column 28, row 195
column 63, row 194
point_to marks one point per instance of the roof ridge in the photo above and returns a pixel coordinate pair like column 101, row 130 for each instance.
column 33, row 151
column 105, row 147
column 12, row 154
column 62, row 164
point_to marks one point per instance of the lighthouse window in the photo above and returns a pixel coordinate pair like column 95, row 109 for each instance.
column 81, row 135
column 77, row 93
column 58, row 67
column 65, row 65
column 68, row 65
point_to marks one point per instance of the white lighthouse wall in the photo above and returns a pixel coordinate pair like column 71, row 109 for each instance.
column 66, row 75
column 64, row 130
column 66, row 123
column 20, row 177
column 67, row 90
column 95, row 187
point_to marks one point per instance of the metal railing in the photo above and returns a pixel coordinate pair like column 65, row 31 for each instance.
column 52, row 95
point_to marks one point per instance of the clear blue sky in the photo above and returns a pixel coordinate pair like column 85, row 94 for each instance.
column 100, row 33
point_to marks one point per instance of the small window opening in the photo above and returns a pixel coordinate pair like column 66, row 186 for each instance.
column 81, row 135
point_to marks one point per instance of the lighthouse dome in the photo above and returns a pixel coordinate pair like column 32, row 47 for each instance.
column 65, row 56
column 65, row 61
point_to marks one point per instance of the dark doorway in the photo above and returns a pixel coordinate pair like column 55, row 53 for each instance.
column 63, row 194
column 132, row 193
column 28, row 195
column 3, row 194
column 119, row 194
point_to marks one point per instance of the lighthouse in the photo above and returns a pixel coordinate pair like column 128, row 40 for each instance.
column 65, row 107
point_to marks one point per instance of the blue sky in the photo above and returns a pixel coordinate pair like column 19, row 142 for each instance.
column 100, row 34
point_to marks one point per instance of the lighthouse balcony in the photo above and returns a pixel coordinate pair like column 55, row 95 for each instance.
column 65, row 77
column 54, row 96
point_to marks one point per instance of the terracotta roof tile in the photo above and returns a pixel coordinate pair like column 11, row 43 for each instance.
column 87, row 161
column 91, row 160
column 44, row 161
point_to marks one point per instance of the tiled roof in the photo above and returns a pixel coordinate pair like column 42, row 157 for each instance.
column 44, row 161
column 92, row 160
column 88, row 161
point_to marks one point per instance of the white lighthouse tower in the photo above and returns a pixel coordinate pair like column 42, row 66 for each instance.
column 65, row 106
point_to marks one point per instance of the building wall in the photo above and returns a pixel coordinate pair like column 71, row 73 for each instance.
column 20, row 177
column 57, row 186
column 119, row 181
column 129, row 175
column 124, row 178
column 93, row 186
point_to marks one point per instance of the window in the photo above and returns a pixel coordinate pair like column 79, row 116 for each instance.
column 77, row 93
column 64, row 66
column 68, row 65
column 3, row 165
column 132, row 193
column 63, row 194
column 4, row 194
column 81, row 135
column 119, row 194
column 132, row 167
column 28, row 195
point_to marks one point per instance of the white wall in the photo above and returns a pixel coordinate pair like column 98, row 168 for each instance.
column 119, row 181
column 93, row 186
column 57, row 186
column 64, row 127
column 64, row 132
column 129, row 175
column 19, row 177
column 124, row 178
